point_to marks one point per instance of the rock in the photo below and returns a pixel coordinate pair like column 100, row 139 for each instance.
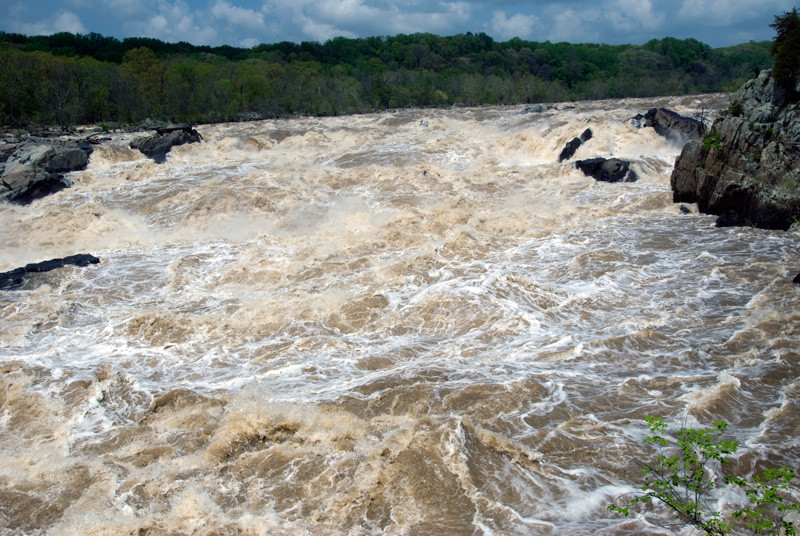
column 34, row 168
column 69, row 159
column 729, row 219
column 747, row 168
column 569, row 149
column 535, row 109
column 685, row 210
column 671, row 125
column 796, row 279
column 14, row 279
column 159, row 144
column 607, row 170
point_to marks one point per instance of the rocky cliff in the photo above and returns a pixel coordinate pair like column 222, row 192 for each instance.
column 746, row 169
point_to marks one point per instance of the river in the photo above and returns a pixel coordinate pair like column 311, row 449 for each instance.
column 415, row 322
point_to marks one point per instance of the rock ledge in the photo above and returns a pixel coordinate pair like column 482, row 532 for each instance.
column 746, row 169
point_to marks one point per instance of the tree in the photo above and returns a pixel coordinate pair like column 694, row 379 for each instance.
column 23, row 87
column 786, row 49
column 147, row 74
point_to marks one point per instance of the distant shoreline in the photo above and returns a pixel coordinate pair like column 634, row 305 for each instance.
column 69, row 80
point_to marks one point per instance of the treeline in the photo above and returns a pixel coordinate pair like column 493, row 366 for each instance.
column 68, row 79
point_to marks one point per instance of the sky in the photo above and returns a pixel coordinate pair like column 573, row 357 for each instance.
column 246, row 23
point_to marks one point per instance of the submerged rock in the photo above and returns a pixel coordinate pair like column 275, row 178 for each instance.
column 574, row 144
column 535, row 109
column 569, row 149
column 159, row 144
column 607, row 170
column 14, row 279
column 35, row 168
column 747, row 168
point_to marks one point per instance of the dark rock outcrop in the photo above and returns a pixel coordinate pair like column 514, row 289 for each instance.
column 14, row 279
column 535, row 109
column 159, row 144
column 747, row 168
column 796, row 279
column 35, row 168
column 607, row 170
column 572, row 146
column 671, row 125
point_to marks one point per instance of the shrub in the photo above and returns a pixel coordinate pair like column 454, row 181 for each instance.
column 712, row 139
column 736, row 109
column 687, row 474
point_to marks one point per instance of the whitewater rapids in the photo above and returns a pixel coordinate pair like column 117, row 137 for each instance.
column 415, row 322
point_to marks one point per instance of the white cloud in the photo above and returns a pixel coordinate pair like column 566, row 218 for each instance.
column 175, row 22
column 249, row 42
column 67, row 21
column 320, row 31
column 460, row 11
column 323, row 19
column 63, row 21
column 575, row 26
column 631, row 15
column 238, row 16
column 518, row 25
column 725, row 12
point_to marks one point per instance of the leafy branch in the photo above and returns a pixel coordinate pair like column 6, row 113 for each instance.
column 686, row 475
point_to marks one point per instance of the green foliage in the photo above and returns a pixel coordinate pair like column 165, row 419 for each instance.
column 786, row 48
column 70, row 78
column 688, row 472
column 712, row 139
column 767, row 501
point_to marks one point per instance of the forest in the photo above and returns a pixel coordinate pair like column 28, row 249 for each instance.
column 69, row 79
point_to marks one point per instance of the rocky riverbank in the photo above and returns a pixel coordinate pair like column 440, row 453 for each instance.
column 33, row 167
column 746, row 169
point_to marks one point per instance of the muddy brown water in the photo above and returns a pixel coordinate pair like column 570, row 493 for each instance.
column 415, row 322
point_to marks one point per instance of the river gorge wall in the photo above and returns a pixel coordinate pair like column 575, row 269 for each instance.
column 746, row 169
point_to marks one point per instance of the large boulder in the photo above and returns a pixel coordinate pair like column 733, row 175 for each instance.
column 34, row 168
column 747, row 168
column 159, row 144
column 16, row 278
column 607, row 169
column 673, row 126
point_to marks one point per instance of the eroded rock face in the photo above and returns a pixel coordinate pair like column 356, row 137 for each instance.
column 33, row 168
column 159, row 144
column 673, row 126
column 747, row 167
